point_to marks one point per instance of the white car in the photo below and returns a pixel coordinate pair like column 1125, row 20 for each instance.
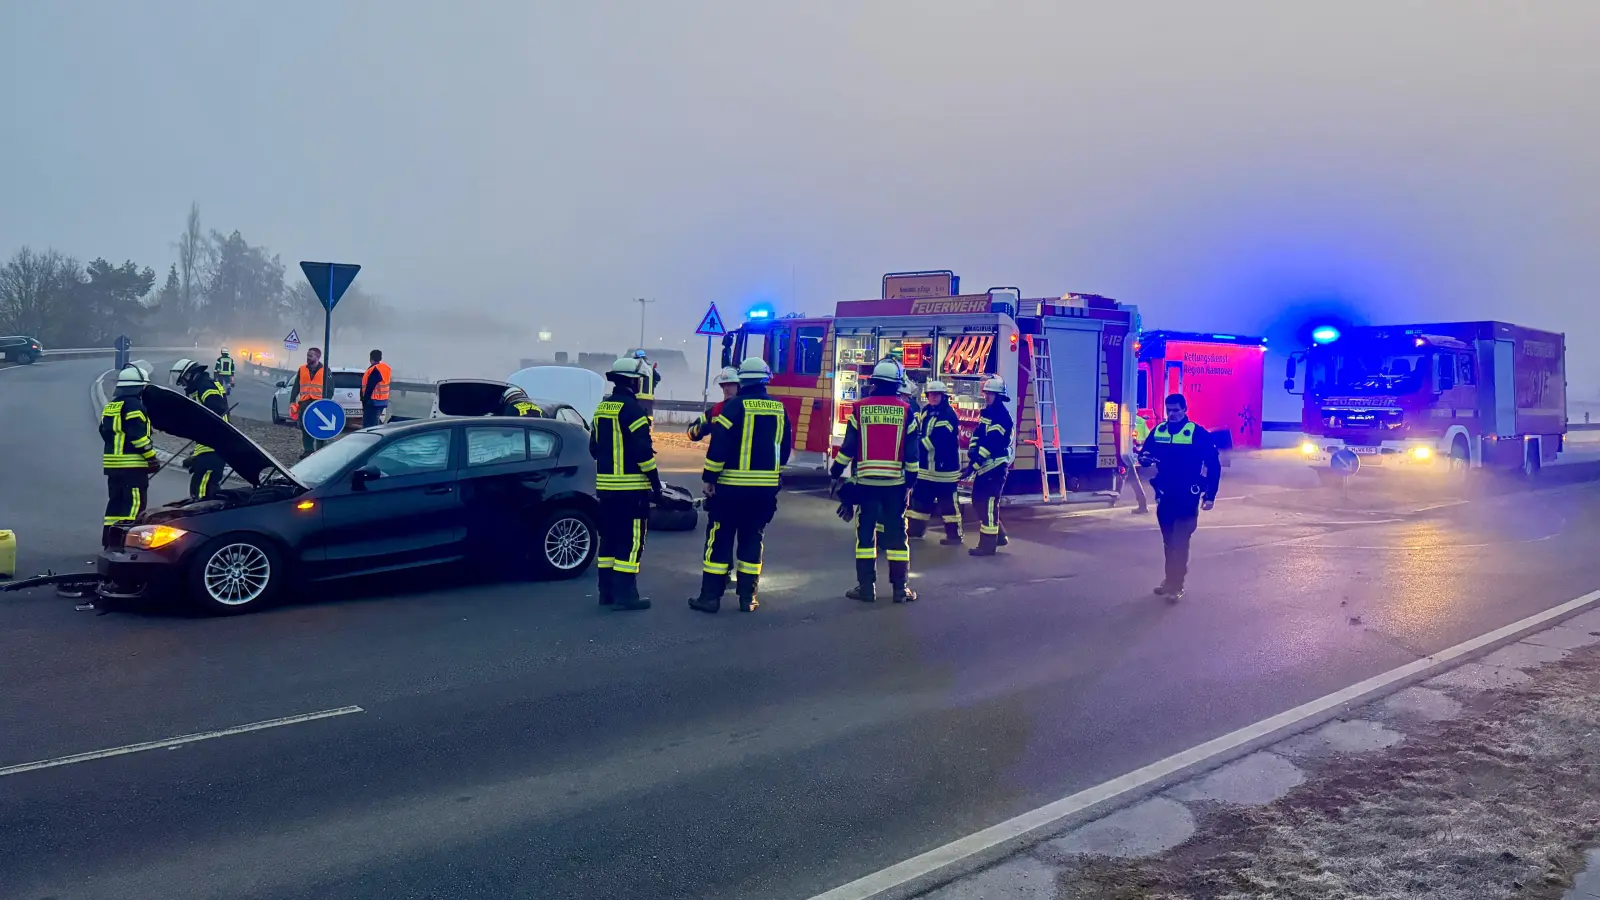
column 346, row 390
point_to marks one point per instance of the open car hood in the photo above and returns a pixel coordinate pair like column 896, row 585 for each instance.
column 179, row 416
column 470, row 397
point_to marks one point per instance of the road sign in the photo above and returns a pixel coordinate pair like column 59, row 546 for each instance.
column 123, row 344
column 329, row 280
column 1344, row 463
column 291, row 341
column 322, row 419
column 711, row 324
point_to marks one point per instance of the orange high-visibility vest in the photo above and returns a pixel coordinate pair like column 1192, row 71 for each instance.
column 381, row 392
column 311, row 388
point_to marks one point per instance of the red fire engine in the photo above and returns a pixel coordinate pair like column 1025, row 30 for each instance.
column 1069, row 362
column 1219, row 374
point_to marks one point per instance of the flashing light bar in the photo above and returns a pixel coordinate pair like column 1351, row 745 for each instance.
column 1325, row 334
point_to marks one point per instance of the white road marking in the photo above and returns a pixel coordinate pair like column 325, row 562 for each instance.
column 1013, row 834
column 174, row 743
column 1444, row 505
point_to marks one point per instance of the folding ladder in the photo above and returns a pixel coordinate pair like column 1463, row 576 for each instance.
column 1047, row 437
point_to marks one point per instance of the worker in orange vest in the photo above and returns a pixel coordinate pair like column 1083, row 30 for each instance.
column 375, row 390
column 307, row 387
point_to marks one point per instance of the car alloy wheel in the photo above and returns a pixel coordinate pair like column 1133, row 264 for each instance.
column 566, row 543
column 237, row 574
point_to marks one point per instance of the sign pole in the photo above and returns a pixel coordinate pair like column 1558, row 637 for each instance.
column 327, row 335
column 705, row 390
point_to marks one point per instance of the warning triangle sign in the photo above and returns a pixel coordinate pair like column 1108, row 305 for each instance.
column 294, row 336
column 711, row 324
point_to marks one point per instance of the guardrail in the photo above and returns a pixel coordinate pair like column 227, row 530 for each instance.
column 93, row 352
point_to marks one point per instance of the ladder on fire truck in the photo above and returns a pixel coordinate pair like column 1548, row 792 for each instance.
column 1046, row 436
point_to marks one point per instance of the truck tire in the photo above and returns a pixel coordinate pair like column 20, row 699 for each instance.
column 1532, row 461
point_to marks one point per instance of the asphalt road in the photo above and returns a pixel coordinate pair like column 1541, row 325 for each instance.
column 516, row 741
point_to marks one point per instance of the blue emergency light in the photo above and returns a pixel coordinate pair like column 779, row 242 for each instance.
column 1324, row 334
column 759, row 312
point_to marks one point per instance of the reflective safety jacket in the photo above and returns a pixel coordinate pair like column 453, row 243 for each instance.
column 619, row 441
column 750, row 441
column 648, row 390
column 915, row 429
column 375, row 385
column 215, row 398
column 125, row 430
column 1186, row 461
column 701, row 427
column 878, row 440
column 940, row 457
column 990, row 445
column 224, row 367
column 525, row 409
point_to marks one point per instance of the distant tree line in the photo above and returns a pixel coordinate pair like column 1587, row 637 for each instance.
column 220, row 287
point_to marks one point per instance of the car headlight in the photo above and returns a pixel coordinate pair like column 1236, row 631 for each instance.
column 151, row 537
column 1422, row 452
column 1308, row 448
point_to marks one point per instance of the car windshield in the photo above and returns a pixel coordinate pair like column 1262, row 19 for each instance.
column 333, row 459
column 1372, row 372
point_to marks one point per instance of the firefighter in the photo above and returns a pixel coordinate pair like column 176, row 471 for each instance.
column 307, row 387
column 626, row 476
column 204, row 464
column 939, row 467
column 728, row 380
column 128, row 459
column 988, row 458
column 750, row 443
column 877, row 442
column 1185, row 473
column 224, row 370
column 647, row 393
column 516, row 403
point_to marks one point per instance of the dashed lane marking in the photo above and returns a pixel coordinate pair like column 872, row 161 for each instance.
column 175, row 742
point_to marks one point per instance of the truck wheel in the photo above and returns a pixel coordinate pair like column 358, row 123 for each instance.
column 1532, row 461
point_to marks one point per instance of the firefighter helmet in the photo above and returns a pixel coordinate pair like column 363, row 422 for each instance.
column 513, row 394
column 728, row 375
column 888, row 369
column 754, row 368
column 909, row 388
column 185, row 369
column 133, row 376
column 630, row 368
column 936, row 387
column 994, row 384
column 224, row 351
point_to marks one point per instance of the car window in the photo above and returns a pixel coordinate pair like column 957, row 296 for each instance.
column 332, row 459
column 492, row 446
column 808, row 350
column 570, row 415
column 541, row 444
column 346, row 380
column 414, row 455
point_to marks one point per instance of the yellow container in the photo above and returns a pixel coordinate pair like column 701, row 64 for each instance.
column 8, row 554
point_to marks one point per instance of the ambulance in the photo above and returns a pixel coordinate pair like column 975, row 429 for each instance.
column 1220, row 375
column 1069, row 361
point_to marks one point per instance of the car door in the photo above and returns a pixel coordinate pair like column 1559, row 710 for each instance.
column 503, row 476
column 409, row 515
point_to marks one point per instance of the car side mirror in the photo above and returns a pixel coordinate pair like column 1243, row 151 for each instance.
column 281, row 384
column 1288, row 385
column 361, row 476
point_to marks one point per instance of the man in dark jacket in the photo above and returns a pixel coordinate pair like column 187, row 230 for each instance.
column 1185, row 474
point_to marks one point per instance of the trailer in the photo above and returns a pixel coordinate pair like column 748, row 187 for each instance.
column 1447, row 397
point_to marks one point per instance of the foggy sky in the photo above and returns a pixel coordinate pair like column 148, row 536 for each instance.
column 1225, row 165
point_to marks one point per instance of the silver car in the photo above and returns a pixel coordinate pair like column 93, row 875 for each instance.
column 346, row 390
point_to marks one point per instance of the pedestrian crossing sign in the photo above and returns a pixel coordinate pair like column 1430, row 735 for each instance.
column 711, row 324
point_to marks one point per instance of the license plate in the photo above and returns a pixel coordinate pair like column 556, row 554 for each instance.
column 1364, row 451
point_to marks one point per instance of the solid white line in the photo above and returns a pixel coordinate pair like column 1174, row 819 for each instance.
column 177, row 741
column 1046, row 816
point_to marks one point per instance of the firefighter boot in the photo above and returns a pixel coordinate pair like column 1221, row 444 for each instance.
column 916, row 528
column 898, row 572
column 711, row 588
column 747, row 592
column 986, row 545
column 607, row 587
column 952, row 534
column 1003, row 539
column 866, row 579
column 627, row 596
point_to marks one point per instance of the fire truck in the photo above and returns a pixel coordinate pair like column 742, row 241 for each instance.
column 1069, row 362
column 1220, row 375
column 1449, row 396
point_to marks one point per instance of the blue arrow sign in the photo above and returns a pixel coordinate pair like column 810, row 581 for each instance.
column 322, row 419
column 711, row 324
column 329, row 280
column 1343, row 462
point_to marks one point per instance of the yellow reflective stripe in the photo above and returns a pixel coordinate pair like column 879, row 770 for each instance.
column 843, row 459
column 648, row 465
column 641, row 422
column 630, row 566
column 629, row 482
column 984, row 452
column 898, row 555
column 937, row 476
column 706, row 563
column 714, row 467
column 749, row 568
column 724, row 421
column 746, row 438
column 605, row 562
column 918, row 515
column 748, row 478
column 205, row 483
column 866, row 553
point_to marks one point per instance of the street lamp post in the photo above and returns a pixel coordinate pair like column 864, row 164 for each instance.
column 641, row 301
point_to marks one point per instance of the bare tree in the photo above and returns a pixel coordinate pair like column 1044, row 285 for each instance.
column 192, row 250
column 36, row 294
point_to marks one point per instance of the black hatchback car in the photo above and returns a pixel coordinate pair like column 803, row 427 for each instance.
column 516, row 494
